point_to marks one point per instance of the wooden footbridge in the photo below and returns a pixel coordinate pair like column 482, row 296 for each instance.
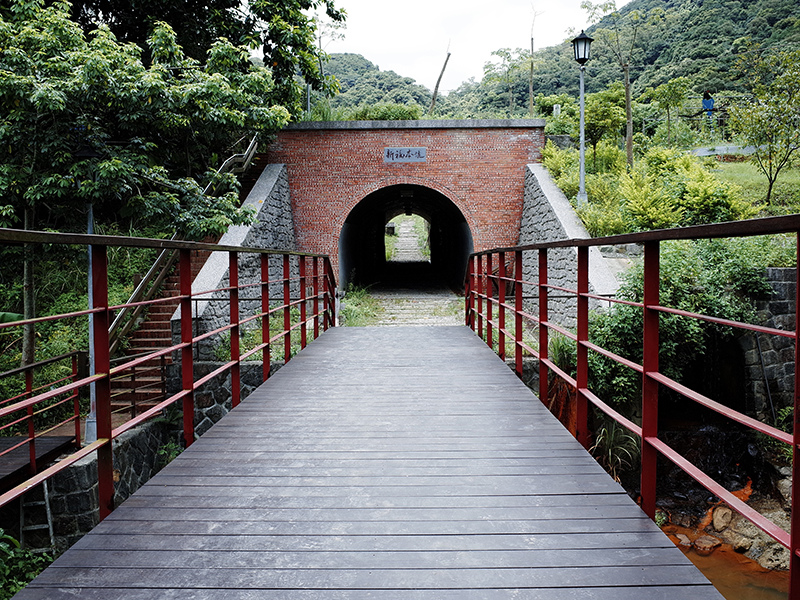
column 390, row 463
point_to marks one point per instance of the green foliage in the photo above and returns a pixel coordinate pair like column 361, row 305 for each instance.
column 167, row 453
column 604, row 117
column 358, row 307
column 771, row 121
column 386, row 112
column 562, row 351
column 615, row 449
column 364, row 84
column 668, row 188
column 284, row 31
column 668, row 96
column 713, row 277
column 647, row 203
column 84, row 120
column 18, row 567
column 607, row 158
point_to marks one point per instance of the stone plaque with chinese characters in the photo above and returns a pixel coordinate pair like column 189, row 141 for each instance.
column 405, row 155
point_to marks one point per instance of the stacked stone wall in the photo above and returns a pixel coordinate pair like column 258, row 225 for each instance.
column 273, row 229
column 547, row 216
column 73, row 495
column 770, row 359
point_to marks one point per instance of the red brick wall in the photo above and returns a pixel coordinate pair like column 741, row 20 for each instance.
column 479, row 167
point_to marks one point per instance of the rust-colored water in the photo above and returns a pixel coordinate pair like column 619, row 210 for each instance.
column 733, row 574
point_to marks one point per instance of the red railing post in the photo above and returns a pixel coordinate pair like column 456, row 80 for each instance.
column 501, row 309
column 541, row 320
column 287, row 317
column 31, row 424
column 233, row 283
column 303, row 337
column 794, row 561
column 102, row 366
column 265, row 353
column 489, row 300
column 518, row 313
column 76, row 403
column 315, row 291
column 469, row 307
column 327, row 297
column 649, row 385
column 582, row 376
column 479, row 293
column 187, row 341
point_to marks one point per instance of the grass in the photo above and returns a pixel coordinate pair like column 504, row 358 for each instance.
column 785, row 194
column 421, row 230
column 359, row 308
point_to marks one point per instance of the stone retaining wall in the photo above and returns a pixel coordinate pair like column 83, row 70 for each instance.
column 73, row 492
column 547, row 216
column 770, row 359
column 213, row 400
column 273, row 229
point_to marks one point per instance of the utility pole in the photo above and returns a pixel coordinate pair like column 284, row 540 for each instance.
column 530, row 78
column 438, row 81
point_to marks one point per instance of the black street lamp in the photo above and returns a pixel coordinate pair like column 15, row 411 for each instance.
column 581, row 46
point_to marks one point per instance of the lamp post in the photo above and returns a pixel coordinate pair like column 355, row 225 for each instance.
column 581, row 45
column 90, row 426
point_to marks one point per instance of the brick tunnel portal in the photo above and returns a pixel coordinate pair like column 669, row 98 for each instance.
column 362, row 252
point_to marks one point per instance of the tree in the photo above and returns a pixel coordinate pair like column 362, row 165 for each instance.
column 603, row 118
column 770, row 122
column 84, row 121
column 622, row 39
column 668, row 96
column 512, row 62
column 284, row 30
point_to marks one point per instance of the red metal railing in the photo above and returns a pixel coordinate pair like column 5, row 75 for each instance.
column 307, row 306
column 69, row 403
column 487, row 308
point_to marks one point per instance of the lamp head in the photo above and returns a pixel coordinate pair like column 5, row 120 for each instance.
column 581, row 45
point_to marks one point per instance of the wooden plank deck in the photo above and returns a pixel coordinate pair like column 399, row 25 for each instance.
column 15, row 466
column 389, row 463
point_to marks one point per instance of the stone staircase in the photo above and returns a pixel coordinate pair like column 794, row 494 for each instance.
column 143, row 386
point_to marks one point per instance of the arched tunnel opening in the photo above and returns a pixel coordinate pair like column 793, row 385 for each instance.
column 362, row 249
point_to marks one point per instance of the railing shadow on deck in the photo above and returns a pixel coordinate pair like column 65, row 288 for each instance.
column 302, row 306
column 495, row 291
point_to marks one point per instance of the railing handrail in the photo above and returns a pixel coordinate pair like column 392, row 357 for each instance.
column 748, row 228
column 315, row 287
column 41, row 363
column 22, row 236
column 486, row 310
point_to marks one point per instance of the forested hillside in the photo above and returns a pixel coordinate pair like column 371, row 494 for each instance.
column 364, row 83
column 697, row 39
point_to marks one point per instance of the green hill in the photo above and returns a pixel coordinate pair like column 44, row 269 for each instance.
column 697, row 39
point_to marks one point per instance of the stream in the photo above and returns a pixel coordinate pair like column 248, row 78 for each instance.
column 734, row 575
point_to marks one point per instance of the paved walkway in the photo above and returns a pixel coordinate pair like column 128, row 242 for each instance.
column 391, row 464
column 416, row 296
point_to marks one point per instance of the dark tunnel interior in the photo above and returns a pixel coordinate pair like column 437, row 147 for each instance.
column 362, row 253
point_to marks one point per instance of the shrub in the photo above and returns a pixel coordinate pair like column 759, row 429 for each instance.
column 18, row 567
column 647, row 203
column 386, row 112
column 713, row 277
column 607, row 158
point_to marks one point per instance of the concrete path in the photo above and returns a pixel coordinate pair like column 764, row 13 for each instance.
column 415, row 297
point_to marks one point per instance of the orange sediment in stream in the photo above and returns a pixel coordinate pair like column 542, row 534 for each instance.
column 735, row 576
column 742, row 494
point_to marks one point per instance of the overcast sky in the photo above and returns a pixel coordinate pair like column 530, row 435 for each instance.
column 411, row 37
